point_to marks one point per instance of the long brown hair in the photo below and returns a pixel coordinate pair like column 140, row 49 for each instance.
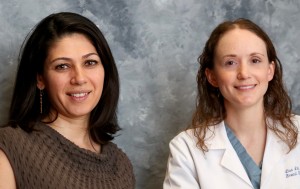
column 210, row 108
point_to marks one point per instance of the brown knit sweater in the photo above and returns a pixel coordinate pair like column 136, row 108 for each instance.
column 44, row 159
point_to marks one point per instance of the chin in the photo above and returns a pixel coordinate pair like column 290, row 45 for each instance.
column 80, row 114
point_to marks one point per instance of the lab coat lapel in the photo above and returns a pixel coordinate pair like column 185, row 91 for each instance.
column 230, row 159
column 274, row 151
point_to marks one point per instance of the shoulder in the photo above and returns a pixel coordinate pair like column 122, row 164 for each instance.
column 6, row 130
column 119, row 161
column 10, row 134
column 213, row 134
column 117, row 155
column 113, row 148
column 183, row 145
column 13, row 142
column 185, row 138
column 296, row 120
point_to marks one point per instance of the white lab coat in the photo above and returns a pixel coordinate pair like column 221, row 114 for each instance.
column 220, row 167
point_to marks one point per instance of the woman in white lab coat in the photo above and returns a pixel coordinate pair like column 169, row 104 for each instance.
column 243, row 134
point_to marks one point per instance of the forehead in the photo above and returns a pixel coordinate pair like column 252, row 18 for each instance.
column 74, row 42
column 240, row 40
column 70, row 38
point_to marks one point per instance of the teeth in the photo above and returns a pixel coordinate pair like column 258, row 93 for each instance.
column 79, row 94
column 246, row 87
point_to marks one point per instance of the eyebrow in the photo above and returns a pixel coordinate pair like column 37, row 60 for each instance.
column 90, row 54
column 234, row 55
column 229, row 55
column 255, row 53
column 68, row 59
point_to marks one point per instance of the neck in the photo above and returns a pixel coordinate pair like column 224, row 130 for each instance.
column 248, row 120
column 249, row 126
column 75, row 130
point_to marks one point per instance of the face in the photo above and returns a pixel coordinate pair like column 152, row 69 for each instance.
column 241, row 70
column 73, row 76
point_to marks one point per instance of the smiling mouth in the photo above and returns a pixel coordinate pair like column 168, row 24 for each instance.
column 245, row 87
column 79, row 95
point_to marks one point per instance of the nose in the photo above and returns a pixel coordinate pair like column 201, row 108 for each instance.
column 78, row 76
column 243, row 72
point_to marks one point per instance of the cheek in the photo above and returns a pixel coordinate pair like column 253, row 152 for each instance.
column 54, row 86
column 54, row 91
column 98, row 82
column 97, row 77
column 55, row 81
column 265, row 76
column 224, row 80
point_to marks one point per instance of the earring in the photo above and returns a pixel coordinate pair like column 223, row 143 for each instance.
column 41, row 101
column 218, row 93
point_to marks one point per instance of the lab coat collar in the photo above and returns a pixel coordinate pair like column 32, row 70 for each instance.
column 275, row 150
column 218, row 140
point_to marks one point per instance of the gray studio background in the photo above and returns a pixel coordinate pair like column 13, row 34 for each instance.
column 156, row 44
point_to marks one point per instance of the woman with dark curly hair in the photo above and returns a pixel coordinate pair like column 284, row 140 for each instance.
column 243, row 133
column 63, row 111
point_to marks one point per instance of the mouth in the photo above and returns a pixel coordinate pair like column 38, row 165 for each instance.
column 79, row 95
column 245, row 87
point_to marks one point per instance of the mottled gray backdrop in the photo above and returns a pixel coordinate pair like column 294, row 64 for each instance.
column 156, row 44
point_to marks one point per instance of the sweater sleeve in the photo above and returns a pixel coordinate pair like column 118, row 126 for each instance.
column 6, row 135
column 11, row 143
column 7, row 144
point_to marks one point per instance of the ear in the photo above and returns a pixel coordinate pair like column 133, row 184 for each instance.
column 40, row 82
column 271, row 71
column 211, row 77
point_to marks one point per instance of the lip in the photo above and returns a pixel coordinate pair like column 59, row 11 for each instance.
column 245, row 87
column 79, row 96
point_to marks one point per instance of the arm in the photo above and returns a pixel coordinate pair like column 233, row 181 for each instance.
column 7, row 178
column 181, row 171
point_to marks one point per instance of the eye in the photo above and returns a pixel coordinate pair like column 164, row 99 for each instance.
column 230, row 63
column 90, row 62
column 61, row 67
column 256, row 61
